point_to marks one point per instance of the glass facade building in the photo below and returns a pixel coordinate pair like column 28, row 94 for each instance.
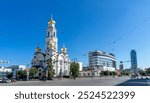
column 101, row 59
column 134, row 67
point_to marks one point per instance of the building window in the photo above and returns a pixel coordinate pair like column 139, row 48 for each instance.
column 60, row 62
column 54, row 34
column 47, row 34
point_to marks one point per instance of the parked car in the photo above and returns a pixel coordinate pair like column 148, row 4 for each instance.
column 146, row 77
column 6, row 80
column 1, row 80
column 141, row 77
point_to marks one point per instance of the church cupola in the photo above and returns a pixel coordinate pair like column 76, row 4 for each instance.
column 38, row 49
column 64, row 50
column 51, row 23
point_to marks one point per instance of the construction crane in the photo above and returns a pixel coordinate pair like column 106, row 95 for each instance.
column 121, row 67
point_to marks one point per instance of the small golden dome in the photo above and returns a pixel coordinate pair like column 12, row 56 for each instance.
column 51, row 46
column 51, row 22
column 64, row 49
column 38, row 49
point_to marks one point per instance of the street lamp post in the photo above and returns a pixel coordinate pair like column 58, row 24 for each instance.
column 27, row 70
column 27, row 73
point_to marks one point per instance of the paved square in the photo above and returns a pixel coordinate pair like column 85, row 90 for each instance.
column 97, row 81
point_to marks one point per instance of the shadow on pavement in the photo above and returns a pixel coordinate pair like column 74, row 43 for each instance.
column 135, row 82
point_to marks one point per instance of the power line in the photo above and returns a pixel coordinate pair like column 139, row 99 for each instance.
column 129, row 32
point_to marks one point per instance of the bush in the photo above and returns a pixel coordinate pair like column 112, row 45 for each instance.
column 66, row 76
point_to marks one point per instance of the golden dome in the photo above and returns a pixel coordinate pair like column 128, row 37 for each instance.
column 64, row 49
column 51, row 46
column 51, row 22
column 38, row 49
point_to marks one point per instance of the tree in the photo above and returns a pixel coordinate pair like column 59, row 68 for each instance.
column 106, row 73
column 51, row 71
column 21, row 74
column 110, row 73
column 148, row 71
column 10, row 75
column 74, row 69
column 32, row 72
column 114, row 73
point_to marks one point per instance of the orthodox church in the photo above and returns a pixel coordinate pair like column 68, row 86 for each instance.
column 60, row 60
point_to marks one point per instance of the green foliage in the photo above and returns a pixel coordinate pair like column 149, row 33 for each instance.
column 114, row 73
column 74, row 69
column 32, row 72
column 126, row 72
column 142, row 72
column 51, row 71
column 148, row 71
column 21, row 74
column 104, row 73
column 108, row 73
column 10, row 75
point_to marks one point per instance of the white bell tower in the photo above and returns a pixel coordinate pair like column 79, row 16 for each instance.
column 51, row 38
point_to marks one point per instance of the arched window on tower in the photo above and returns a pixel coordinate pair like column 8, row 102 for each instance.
column 47, row 34
column 54, row 34
column 51, row 34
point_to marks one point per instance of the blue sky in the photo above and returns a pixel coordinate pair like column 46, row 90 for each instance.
column 115, row 26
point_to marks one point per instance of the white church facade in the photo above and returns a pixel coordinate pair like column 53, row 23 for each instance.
column 60, row 60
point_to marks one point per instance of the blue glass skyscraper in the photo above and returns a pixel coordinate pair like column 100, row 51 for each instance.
column 134, row 67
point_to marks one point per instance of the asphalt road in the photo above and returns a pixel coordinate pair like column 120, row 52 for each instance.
column 98, row 81
column 136, row 82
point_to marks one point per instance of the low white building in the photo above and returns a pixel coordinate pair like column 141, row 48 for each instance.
column 80, row 66
column 108, row 68
column 95, row 71
column 4, row 71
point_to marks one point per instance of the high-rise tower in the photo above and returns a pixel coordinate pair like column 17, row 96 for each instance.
column 134, row 67
column 51, row 38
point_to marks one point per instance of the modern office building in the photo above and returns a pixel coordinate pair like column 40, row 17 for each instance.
column 134, row 66
column 102, row 60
